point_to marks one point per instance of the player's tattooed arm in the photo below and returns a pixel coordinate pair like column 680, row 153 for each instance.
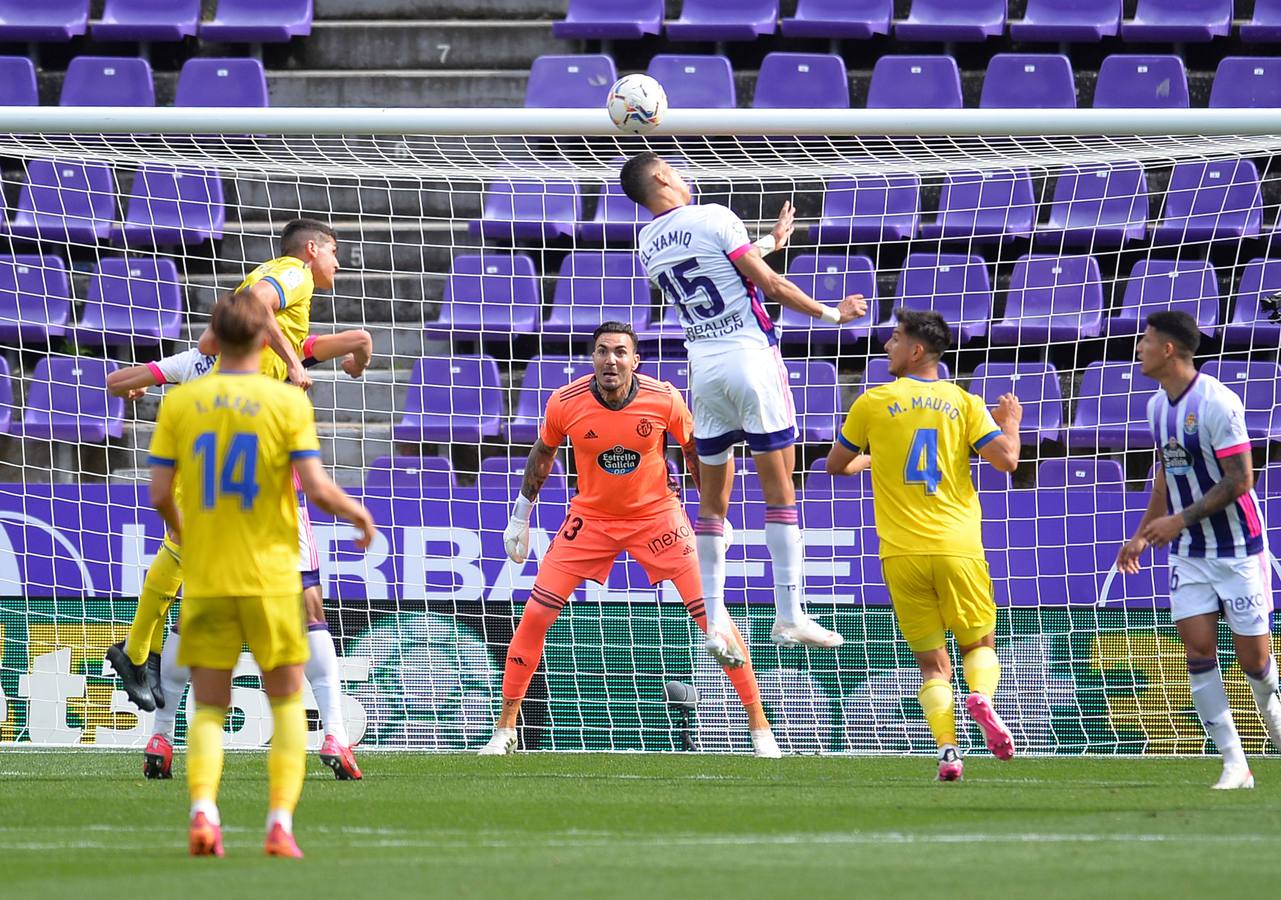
column 537, row 468
column 1238, row 478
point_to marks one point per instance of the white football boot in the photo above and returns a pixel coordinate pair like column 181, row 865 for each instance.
column 806, row 632
column 501, row 744
column 763, row 744
column 1235, row 778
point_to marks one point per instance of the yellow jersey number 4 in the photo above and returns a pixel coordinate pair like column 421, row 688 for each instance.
column 922, row 465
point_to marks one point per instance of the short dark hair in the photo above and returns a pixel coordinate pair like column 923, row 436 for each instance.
column 926, row 326
column 298, row 232
column 635, row 177
column 615, row 328
column 239, row 321
column 1178, row 328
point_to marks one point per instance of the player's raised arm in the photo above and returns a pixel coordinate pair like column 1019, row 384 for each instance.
column 326, row 494
column 355, row 346
column 1002, row 451
column 131, row 382
column 779, row 288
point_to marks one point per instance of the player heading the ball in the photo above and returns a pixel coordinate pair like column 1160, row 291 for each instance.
column 618, row 423
column 702, row 259
column 919, row 431
column 1203, row 502
column 231, row 441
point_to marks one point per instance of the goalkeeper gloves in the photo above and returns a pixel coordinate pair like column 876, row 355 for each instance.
column 516, row 534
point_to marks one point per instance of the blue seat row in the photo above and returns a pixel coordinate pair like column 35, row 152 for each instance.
column 251, row 21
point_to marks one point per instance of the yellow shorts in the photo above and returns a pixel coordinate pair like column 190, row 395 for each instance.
column 214, row 629
column 936, row 594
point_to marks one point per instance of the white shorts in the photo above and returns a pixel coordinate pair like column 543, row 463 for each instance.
column 308, row 552
column 1242, row 588
column 741, row 396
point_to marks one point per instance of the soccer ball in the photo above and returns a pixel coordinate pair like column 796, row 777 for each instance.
column 637, row 103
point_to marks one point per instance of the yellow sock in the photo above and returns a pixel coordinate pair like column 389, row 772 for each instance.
column 982, row 671
column 163, row 581
column 287, row 759
column 204, row 753
column 936, row 702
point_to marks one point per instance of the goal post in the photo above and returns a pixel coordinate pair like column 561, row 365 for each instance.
column 479, row 248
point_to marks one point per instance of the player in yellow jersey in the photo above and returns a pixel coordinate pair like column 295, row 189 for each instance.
column 232, row 442
column 919, row 431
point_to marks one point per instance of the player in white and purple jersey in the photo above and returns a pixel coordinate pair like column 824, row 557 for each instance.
column 1203, row 503
column 711, row 271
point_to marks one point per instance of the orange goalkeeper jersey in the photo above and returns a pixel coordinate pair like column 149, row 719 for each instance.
column 618, row 453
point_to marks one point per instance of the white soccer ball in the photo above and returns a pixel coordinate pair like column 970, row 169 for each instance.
column 637, row 103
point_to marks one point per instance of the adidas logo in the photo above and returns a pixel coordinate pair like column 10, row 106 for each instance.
column 688, row 550
column 590, row 434
column 518, row 660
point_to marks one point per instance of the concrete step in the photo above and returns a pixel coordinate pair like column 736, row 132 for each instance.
column 435, row 44
column 414, row 88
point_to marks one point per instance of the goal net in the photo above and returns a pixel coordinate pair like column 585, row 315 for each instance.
column 480, row 263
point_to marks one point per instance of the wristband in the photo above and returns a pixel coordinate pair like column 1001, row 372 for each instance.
column 522, row 506
column 765, row 244
column 831, row 315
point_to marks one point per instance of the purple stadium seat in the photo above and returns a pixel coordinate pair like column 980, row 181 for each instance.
column 984, row 207
column 869, row 209
column 1178, row 21
column 617, row 218
column 818, row 399
column 258, row 21
column 492, row 293
column 1251, row 323
column 829, row 278
column 1029, row 81
column 695, row 82
column 1265, row 27
column 222, row 82
column 414, row 475
column 1129, row 81
column 596, row 286
column 579, row 80
column 1056, row 22
column 1111, row 408
column 956, row 285
column 131, row 302
column 715, row 20
column 1087, row 473
column 986, row 477
column 1052, row 299
column 1187, row 285
column 108, row 81
column 1243, row 82
column 35, row 298
column 837, row 19
column 147, row 20
column 952, row 20
column 543, row 375
column 501, row 477
column 529, row 211
column 610, row 20
column 915, row 82
column 65, row 201
column 173, row 206
column 1097, row 206
column 1258, row 384
column 802, row 80
column 67, row 400
column 22, row 21
column 1208, row 201
column 18, row 82
column 1037, row 387
column 878, row 372
column 472, row 412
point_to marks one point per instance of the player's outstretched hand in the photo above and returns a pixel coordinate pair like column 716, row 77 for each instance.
column 300, row 378
column 1127, row 560
column 785, row 225
column 851, row 308
column 516, row 539
column 1008, row 410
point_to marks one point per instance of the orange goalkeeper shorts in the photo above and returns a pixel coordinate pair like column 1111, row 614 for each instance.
column 585, row 547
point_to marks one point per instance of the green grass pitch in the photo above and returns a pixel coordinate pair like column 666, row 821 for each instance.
column 77, row 824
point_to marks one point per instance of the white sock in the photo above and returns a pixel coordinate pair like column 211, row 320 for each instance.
column 1265, row 693
column 322, row 673
column 787, row 551
column 709, row 535
column 283, row 817
column 209, row 808
column 173, row 681
column 1212, row 706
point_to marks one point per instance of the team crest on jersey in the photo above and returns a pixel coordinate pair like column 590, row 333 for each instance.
column 292, row 277
column 1175, row 459
column 644, row 428
column 619, row 460
column 1189, row 424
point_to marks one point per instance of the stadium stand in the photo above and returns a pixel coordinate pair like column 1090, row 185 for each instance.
column 696, row 82
column 713, row 20
column 609, row 20
column 67, row 400
column 787, row 80
column 18, row 82
column 108, row 81
column 1178, row 21
column 258, row 21
column 1051, row 298
column 35, row 299
column 1245, row 82
column 222, row 82
column 166, row 205
column 65, row 201
column 491, row 293
column 839, row 19
column 952, row 20
column 153, row 21
column 915, row 82
column 49, row 20
column 1028, row 80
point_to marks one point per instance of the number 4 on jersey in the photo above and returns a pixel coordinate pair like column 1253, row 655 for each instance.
column 923, row 460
